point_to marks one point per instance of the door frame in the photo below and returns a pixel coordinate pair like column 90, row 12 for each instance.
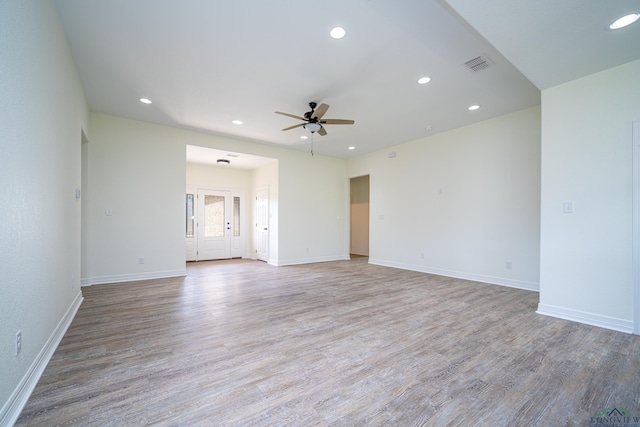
column 367, row 235
column 636, row 227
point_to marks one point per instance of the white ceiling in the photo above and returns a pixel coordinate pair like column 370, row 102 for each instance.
column 204, row 63
column 237, row 160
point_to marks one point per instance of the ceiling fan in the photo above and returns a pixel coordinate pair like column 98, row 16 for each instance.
column 313, row 119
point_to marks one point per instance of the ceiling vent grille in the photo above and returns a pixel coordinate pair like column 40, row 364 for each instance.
column 477, row 64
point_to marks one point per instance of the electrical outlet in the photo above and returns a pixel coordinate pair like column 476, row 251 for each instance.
column 18, row 346
column 507, row 265
column 141, row 260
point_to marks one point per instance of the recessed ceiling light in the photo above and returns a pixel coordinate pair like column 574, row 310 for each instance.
column 624, row 21
column 424, row 80
column 236, row 122
column 473, row 107
column 352, row 148
column 337, row 33
column 145, row 100
column 223, row 162
column 304, row 137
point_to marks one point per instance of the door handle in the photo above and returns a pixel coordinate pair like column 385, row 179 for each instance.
column 265, row 229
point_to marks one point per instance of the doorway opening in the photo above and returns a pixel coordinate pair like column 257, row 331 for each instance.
column 359, row 206
column 222, row 197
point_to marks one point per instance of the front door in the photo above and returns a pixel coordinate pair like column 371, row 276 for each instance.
column 215, row 224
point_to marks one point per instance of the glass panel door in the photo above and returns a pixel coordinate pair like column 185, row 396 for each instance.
column 214, row 216
column 190, row 215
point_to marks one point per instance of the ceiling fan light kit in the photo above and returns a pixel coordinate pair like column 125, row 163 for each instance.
column 312, row 127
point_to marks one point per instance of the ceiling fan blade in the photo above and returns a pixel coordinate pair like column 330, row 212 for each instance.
column 319, row 112
column 322, row 132
column 291, row 115
column 337, row 122
column 294, row 126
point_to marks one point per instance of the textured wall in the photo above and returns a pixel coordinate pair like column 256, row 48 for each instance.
column 42, row 115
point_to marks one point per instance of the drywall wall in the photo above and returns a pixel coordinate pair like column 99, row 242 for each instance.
column 42, row 115
column 313, row 209
column 222, row 177
column 464, row 203
column 586, row 264
column 137, row 180
column 137, row 171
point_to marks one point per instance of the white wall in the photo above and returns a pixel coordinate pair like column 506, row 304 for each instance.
column 42, row 114
column 461, row 203
column 586, row 256
column 313, row 209
column 221, row 177
column 138, row 170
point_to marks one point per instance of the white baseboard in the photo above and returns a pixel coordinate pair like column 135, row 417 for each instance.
column 12, row 409
column 101, row 280
column 593, row 319
column 300, row 261
column 519, row 284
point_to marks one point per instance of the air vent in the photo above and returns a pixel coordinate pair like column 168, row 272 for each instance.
column 477, row 64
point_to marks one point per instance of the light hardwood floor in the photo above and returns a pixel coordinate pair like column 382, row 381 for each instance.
column 238, row 343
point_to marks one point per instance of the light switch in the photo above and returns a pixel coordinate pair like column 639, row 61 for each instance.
column 567, row 207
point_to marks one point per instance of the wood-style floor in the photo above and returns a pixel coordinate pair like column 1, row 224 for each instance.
column 243, row 343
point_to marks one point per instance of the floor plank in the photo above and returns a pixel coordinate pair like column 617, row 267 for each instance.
column 241, row 342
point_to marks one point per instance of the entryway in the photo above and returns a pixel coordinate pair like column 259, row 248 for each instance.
column 214, row 225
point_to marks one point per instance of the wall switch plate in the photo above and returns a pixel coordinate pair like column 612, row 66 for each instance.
column 141, row 260
column 18, row 343
column 567, row 207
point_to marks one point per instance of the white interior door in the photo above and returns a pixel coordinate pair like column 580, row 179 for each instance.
column 262, row 224
column 214, row 224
